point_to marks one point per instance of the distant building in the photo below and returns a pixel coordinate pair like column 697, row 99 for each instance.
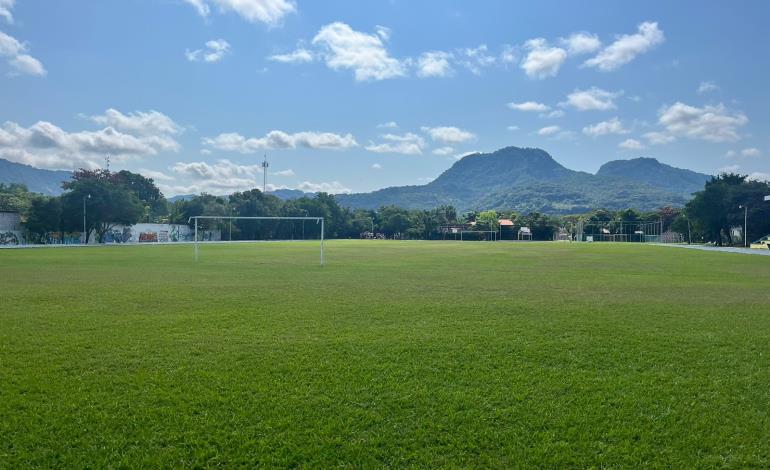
column 10, row 228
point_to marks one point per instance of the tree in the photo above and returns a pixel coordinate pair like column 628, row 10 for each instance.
column 44, row 216
column 106, row 205
column 710, row 209
column 153, row 201
column 15, row 197
column 487, row 220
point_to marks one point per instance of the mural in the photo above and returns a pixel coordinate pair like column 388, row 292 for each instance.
column 158, row 233
column 148, row 237
column 69, row 238
column 8, row 238
column 118, row 235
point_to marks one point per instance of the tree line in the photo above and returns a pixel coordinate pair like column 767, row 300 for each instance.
column 126, row 198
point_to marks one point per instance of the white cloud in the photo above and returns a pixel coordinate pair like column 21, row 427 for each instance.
column 5, row 10
column 220, row 177
column 731, row 154
column 548, row 130
column 434, row 64
column 10, row 46
column 235, row 142
column 611, row 126
column 287, row 172
column 475, row 58
column 592, row 99
column 406, row 144
column 270, row 12
column 658, row 138
column 759, row 176
column 448, row 134
column 376, row 166
column 581, row 43
column 556, row 113
column 45, row 145
column 388, row 125
column 751, row 152
column 510, row 54
column 17, row 57
column 529, row 106
column 333, row 187
column 706, row 87
column 200, row 6
column 155, row 175
column 443, row 151
column 513, row 128
column 631, row 144
column 221, row 169
column 139, row 122
column 28, row 65
column 728, row 169
column 383, row 31
column 542, row 60
column 364, row 54
column 709, row 123
column 627, row 47
column 298, row 56
column 215, row 50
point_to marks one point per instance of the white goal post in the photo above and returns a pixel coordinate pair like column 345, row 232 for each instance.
column 199, row 217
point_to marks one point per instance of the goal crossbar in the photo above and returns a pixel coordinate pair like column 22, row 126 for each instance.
column 199, row 217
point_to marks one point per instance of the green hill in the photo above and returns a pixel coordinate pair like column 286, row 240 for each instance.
column 529, row 179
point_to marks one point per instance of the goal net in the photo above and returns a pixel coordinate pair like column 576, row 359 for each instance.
column 221, row 229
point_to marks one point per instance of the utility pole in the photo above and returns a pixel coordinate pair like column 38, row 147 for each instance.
column 264, row 174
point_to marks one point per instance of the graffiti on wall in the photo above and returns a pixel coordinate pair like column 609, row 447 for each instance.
column 148, row 237
column 118, row 235
column 8, row 238
column 56, row 238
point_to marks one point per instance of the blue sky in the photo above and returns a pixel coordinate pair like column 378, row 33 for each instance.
column 355, row 96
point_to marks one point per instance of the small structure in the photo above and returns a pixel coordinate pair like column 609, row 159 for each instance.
column 507, row 223
column 525, row 233
column 10, row 228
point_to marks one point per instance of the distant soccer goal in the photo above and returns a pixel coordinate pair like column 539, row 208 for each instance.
column 211, row 228
column 621, row 231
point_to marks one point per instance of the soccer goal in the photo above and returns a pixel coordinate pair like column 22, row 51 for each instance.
column 478, row 235
column 213, row 229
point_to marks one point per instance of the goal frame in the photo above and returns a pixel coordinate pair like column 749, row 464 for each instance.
column 492, row 234
column 210, row 217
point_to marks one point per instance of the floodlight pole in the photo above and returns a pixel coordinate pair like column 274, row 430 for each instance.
column 322, row 242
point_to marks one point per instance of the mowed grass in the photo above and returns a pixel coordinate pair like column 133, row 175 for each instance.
column 395, row 354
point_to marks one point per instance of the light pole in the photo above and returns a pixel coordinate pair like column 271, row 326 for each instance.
column 85, row 233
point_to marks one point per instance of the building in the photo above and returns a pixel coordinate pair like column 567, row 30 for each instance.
column 11, row 232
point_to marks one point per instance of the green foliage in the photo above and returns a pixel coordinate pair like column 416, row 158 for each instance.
column 715, row 209
column 530, row 180
column 393, row 355
column 105, row 203
column 44, row 216
column 15, row 198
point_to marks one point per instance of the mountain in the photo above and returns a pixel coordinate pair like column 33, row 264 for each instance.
column 654, row 173
column 36, row 180
column 529, row 179
column 289, row 194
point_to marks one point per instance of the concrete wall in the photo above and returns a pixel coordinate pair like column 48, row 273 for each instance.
column 10, row 229
column 158, row 233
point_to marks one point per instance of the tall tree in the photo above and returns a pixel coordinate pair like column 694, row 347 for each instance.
column 44, row 216
column 104, row 203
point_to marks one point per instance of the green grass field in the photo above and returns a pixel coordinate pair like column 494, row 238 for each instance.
column 394, row 354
